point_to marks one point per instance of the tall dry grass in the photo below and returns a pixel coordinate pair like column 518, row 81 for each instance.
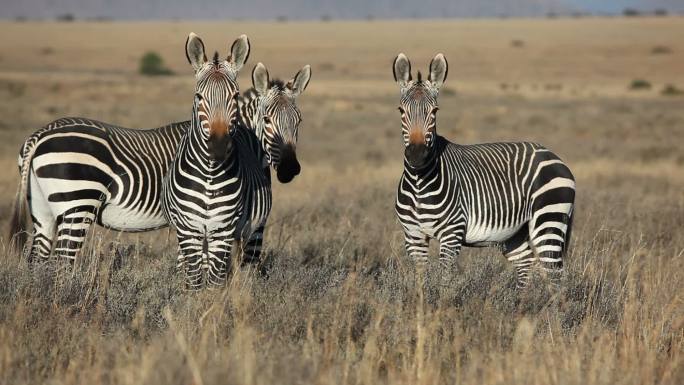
column 345, row 307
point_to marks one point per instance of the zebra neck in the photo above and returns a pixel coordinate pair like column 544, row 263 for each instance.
column 428, row 171
column 251, row 117
column 249, row 110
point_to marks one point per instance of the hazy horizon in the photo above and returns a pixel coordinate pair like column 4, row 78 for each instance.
column 323, row 9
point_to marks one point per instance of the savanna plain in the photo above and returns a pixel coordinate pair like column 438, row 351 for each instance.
column 340, row 303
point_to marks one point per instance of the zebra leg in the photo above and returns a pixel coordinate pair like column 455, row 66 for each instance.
column 219, row 258
column 553, row 200
column 549, row 242
column 449, row 249
column 39, row 246
column 72, row 229
column 252, row 248
column 518, row 251
column 417, row 247
column 191, row 247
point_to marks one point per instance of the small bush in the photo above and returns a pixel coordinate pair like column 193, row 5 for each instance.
column 631, row 12
column 640, row 84
column 47, row 51
column 152, row 64
column 671, row 90
column 661, row 50
column 517, row 43
column 66, row 18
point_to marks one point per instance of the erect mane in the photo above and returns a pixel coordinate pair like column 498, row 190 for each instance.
column 278, row 84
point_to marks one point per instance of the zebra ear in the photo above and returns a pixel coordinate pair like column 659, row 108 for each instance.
column 260, row 78
column 239, row 52
column 439, row 68
column 402, row 70
column 300, row 81
column 194, row 51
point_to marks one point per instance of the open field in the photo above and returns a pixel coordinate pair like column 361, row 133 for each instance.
column 341, row 304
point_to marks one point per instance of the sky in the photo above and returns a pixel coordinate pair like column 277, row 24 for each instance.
column 316, row 9
column 616, row 6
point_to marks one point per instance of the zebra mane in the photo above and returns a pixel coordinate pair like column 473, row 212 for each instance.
column 279, row 84
column 420, row 78
column 251, row 93
column 216, row 58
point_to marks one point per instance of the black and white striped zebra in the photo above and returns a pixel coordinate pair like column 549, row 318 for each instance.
column 269, row 109
column 216, row 191
column 516, row 195
column 135, row 162
column 77, row 171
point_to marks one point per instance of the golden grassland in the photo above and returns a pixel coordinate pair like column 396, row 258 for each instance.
column 341, row 303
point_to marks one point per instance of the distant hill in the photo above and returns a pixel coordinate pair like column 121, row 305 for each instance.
column 617, row 6
column 271, row 9
column 314, row 9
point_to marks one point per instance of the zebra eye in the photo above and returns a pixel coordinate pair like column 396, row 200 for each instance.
column 401, row 110
column 434, row 110
column 198, row 96
column 267, row 120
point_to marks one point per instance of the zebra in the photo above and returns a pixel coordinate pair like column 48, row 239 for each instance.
column 216, row 193
column 134, row 162
column 78, row 171
column 269, row 109
column 518, row 196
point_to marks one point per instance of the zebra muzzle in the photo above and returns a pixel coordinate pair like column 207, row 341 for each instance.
column 416, row 155
column 219, row 146
column 288, row 167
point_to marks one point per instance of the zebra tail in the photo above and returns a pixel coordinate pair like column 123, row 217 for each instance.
column 18, row 221
column 18, row 228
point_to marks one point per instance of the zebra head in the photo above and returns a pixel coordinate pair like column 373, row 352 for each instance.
column 215, row 109
column 418, row 107
column 278, row 118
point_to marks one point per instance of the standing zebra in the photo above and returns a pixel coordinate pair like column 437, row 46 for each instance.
column 69, row 156
column 216, row 191
column 269, row 109
column 517, row 195
column 77, row 171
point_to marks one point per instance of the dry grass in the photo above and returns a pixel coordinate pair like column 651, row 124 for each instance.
column 341, row 303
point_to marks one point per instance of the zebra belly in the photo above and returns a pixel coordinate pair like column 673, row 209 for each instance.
column 477, row 235
column 124, row 219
